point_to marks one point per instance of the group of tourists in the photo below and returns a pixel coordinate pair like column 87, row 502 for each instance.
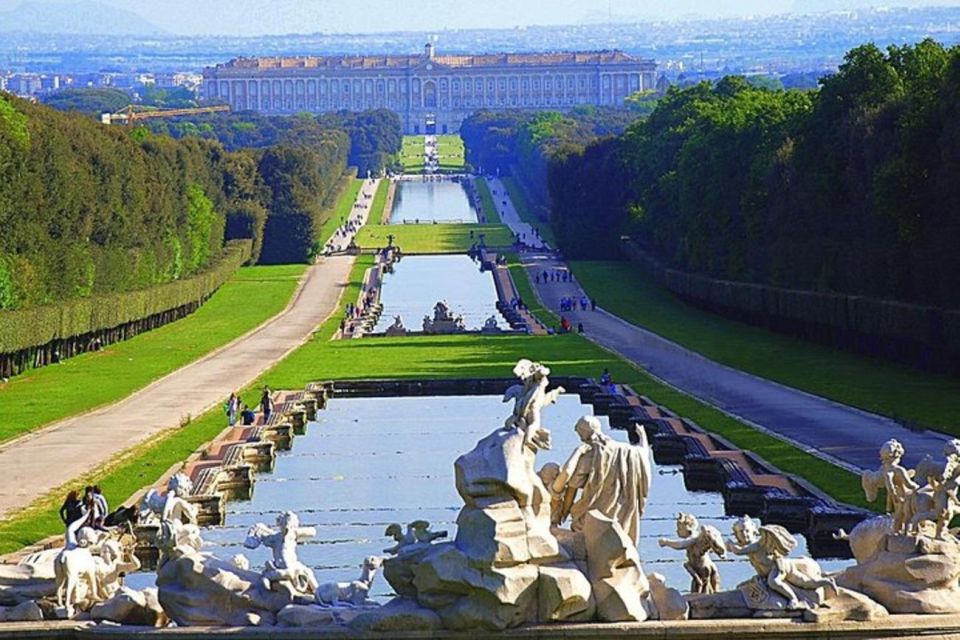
column 346, row 231
column 554, row 275
column 89, row 511
column 570, row 303
column 517, row 303
column 235, row 409
column 566, row 326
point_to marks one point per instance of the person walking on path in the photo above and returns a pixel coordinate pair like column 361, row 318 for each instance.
column 231, row 407
column 266, row 404
column 103, row 507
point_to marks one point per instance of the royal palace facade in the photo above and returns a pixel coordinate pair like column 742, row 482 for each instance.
column 431, row 93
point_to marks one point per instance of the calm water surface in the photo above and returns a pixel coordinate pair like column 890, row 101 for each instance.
column 419, row 282
column 369, row 462
column 428, row 202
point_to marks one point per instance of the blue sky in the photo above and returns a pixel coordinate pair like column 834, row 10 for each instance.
column 257, row 17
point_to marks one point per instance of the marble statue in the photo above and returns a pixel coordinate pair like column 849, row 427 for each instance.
column 698, row 542
column 397, row 328
column 768, row 548
column 418, row 532
column 351, row 594
column 530, row 397
column 490, row 325
column 285, row 569
column 89, row 574
column 443, row 321
column 173, row 505
column 898, row 484
column 608, row 476
column 937, row 503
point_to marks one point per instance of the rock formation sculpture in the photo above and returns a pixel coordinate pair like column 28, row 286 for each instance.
column 698, row 542
column 397, row 328
column 444, row 321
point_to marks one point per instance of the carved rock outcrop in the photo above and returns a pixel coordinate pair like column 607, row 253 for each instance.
column 910, row 574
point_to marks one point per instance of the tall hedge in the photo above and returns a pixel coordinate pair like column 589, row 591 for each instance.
column 39, row 325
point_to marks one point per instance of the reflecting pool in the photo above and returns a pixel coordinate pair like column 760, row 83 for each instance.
column 427, row 202
column 419, row 282
column 368, row 462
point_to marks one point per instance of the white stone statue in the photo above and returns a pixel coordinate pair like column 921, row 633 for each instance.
column 898, row 483
column 530, row 398
column 84, row 579
column 285, row 568
column 768, row 548
column 937, row 502
column 397, row 328
column 418, row 533
column 173, row 505
column 351, row 594
column 698, row 542
column 611, row 477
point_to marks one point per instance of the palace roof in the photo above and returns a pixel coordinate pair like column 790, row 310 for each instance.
column 453, row 61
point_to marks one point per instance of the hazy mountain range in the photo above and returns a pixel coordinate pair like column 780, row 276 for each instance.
column 257, row 18
column 82, row 17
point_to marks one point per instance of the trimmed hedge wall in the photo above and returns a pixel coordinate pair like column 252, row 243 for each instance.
column 923, row 336
column 31, row 328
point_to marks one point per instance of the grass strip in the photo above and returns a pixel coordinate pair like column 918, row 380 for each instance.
column 378, row 209
column 524, row 210
column 487, row 205
column 434, row 238
column 341, row 210
column 868, row 383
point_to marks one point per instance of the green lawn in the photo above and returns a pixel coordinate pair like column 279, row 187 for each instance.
column 425, row 357
column 450, row 151
column 519, row 199
column 90, row 380
column 377, row 209
column 411, row 154
column 486, row 201
column 872, row 384
column 434, row 238
column 341, row 210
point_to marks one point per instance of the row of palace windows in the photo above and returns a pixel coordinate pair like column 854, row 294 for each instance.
column 301, row 102
column 621, row 82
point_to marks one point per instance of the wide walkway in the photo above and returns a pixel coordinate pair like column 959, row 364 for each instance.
column 838, row 433
column 510, row 217
column 40, row 462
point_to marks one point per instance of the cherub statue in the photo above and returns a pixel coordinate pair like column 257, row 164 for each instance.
column 418, row 532
column 530, row 398
column 937, row 502
column 899, row 485
column 768, row 548
column 699, row 542
column 172, row 505
column 285, row 567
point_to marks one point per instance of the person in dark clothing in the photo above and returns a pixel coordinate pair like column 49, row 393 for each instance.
column 247, row 416
column 266, row 404
column 71, row 508
column 593, row 304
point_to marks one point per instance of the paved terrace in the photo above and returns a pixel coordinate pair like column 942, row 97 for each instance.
column 40, row 462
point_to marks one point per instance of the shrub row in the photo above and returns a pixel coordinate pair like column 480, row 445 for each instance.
column 920, row 335
column 36, row 326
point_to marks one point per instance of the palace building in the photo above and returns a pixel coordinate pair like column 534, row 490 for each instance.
column 431, row 93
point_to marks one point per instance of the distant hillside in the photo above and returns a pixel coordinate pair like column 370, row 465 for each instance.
column 82, row 17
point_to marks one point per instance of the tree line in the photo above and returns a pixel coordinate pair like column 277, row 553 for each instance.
column 849, row 188
column 88, row 209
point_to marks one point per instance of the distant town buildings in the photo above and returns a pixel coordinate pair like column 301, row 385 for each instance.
column 430, row 92
column 38, row 85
